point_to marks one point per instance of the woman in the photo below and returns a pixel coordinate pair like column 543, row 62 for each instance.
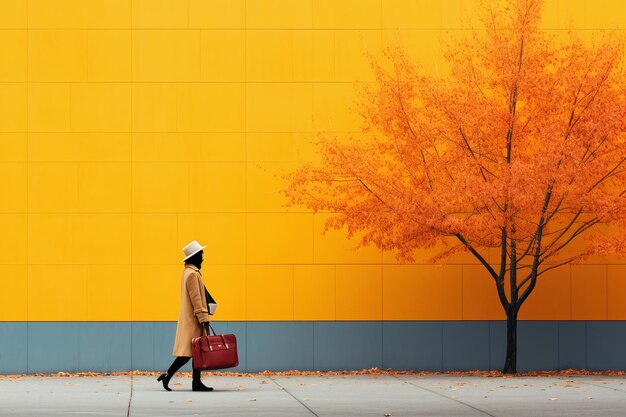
column 193, row 315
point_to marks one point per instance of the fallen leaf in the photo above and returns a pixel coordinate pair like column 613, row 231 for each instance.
column 251, row 399
column 189, row 401
column 553, row 399
column 263, row 382
column 387, row 414
column 370, row 371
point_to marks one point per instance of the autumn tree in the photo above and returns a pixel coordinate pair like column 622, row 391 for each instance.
column 518, row 150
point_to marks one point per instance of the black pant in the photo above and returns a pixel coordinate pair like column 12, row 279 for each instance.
column 178, row 363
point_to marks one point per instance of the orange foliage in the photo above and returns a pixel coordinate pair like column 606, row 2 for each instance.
column 521, row 146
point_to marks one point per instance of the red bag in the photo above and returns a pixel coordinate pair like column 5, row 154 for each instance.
column 214, row 352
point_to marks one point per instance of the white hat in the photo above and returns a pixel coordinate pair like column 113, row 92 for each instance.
column 191, row 249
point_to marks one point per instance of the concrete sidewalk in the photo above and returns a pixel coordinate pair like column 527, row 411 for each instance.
column 342, row 395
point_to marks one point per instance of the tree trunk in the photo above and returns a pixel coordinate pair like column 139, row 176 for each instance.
column 510, row 364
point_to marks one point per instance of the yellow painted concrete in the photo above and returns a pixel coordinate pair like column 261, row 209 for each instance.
column 130, row 127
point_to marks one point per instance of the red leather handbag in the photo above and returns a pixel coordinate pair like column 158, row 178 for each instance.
column 214, row 352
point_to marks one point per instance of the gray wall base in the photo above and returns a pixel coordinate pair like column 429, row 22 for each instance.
column 33, row 347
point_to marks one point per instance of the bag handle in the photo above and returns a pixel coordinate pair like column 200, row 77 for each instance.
column 214, row 334
column 204, row 332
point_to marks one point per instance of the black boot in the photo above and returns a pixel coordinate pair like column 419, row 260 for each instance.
column 197, row 385
column 165, row 378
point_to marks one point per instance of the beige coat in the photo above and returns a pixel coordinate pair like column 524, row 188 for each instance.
column 193, row 310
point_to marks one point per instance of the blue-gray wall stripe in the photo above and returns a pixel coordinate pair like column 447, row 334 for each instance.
column 32, row 347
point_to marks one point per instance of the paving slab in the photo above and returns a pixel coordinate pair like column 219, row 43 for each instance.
column 370, row 395
column 88, row 396
column 321, row 396
column 532, row 396
column 232, row 396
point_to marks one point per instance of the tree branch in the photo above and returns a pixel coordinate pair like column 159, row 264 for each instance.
column 608, row 174
column 565, row 230
column 536, row 261
column 499, row 284
column 581, row 229
column 565, row 262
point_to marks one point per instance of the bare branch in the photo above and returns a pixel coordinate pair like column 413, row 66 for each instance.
column 565, row 262
column 499, row 283
column 565, row 230
column 581, row 229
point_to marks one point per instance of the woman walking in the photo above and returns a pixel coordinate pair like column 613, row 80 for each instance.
column 193, row 315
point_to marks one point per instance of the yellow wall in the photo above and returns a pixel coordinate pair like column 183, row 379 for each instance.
column 130, row 127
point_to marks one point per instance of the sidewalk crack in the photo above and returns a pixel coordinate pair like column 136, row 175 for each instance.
column 294, row 397
column 444, row 396
column 603, row 386
column 131, row 396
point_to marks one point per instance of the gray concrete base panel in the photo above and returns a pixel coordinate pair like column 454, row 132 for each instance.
column 306, row 345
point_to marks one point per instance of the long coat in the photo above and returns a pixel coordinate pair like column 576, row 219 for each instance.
column 193, row 310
